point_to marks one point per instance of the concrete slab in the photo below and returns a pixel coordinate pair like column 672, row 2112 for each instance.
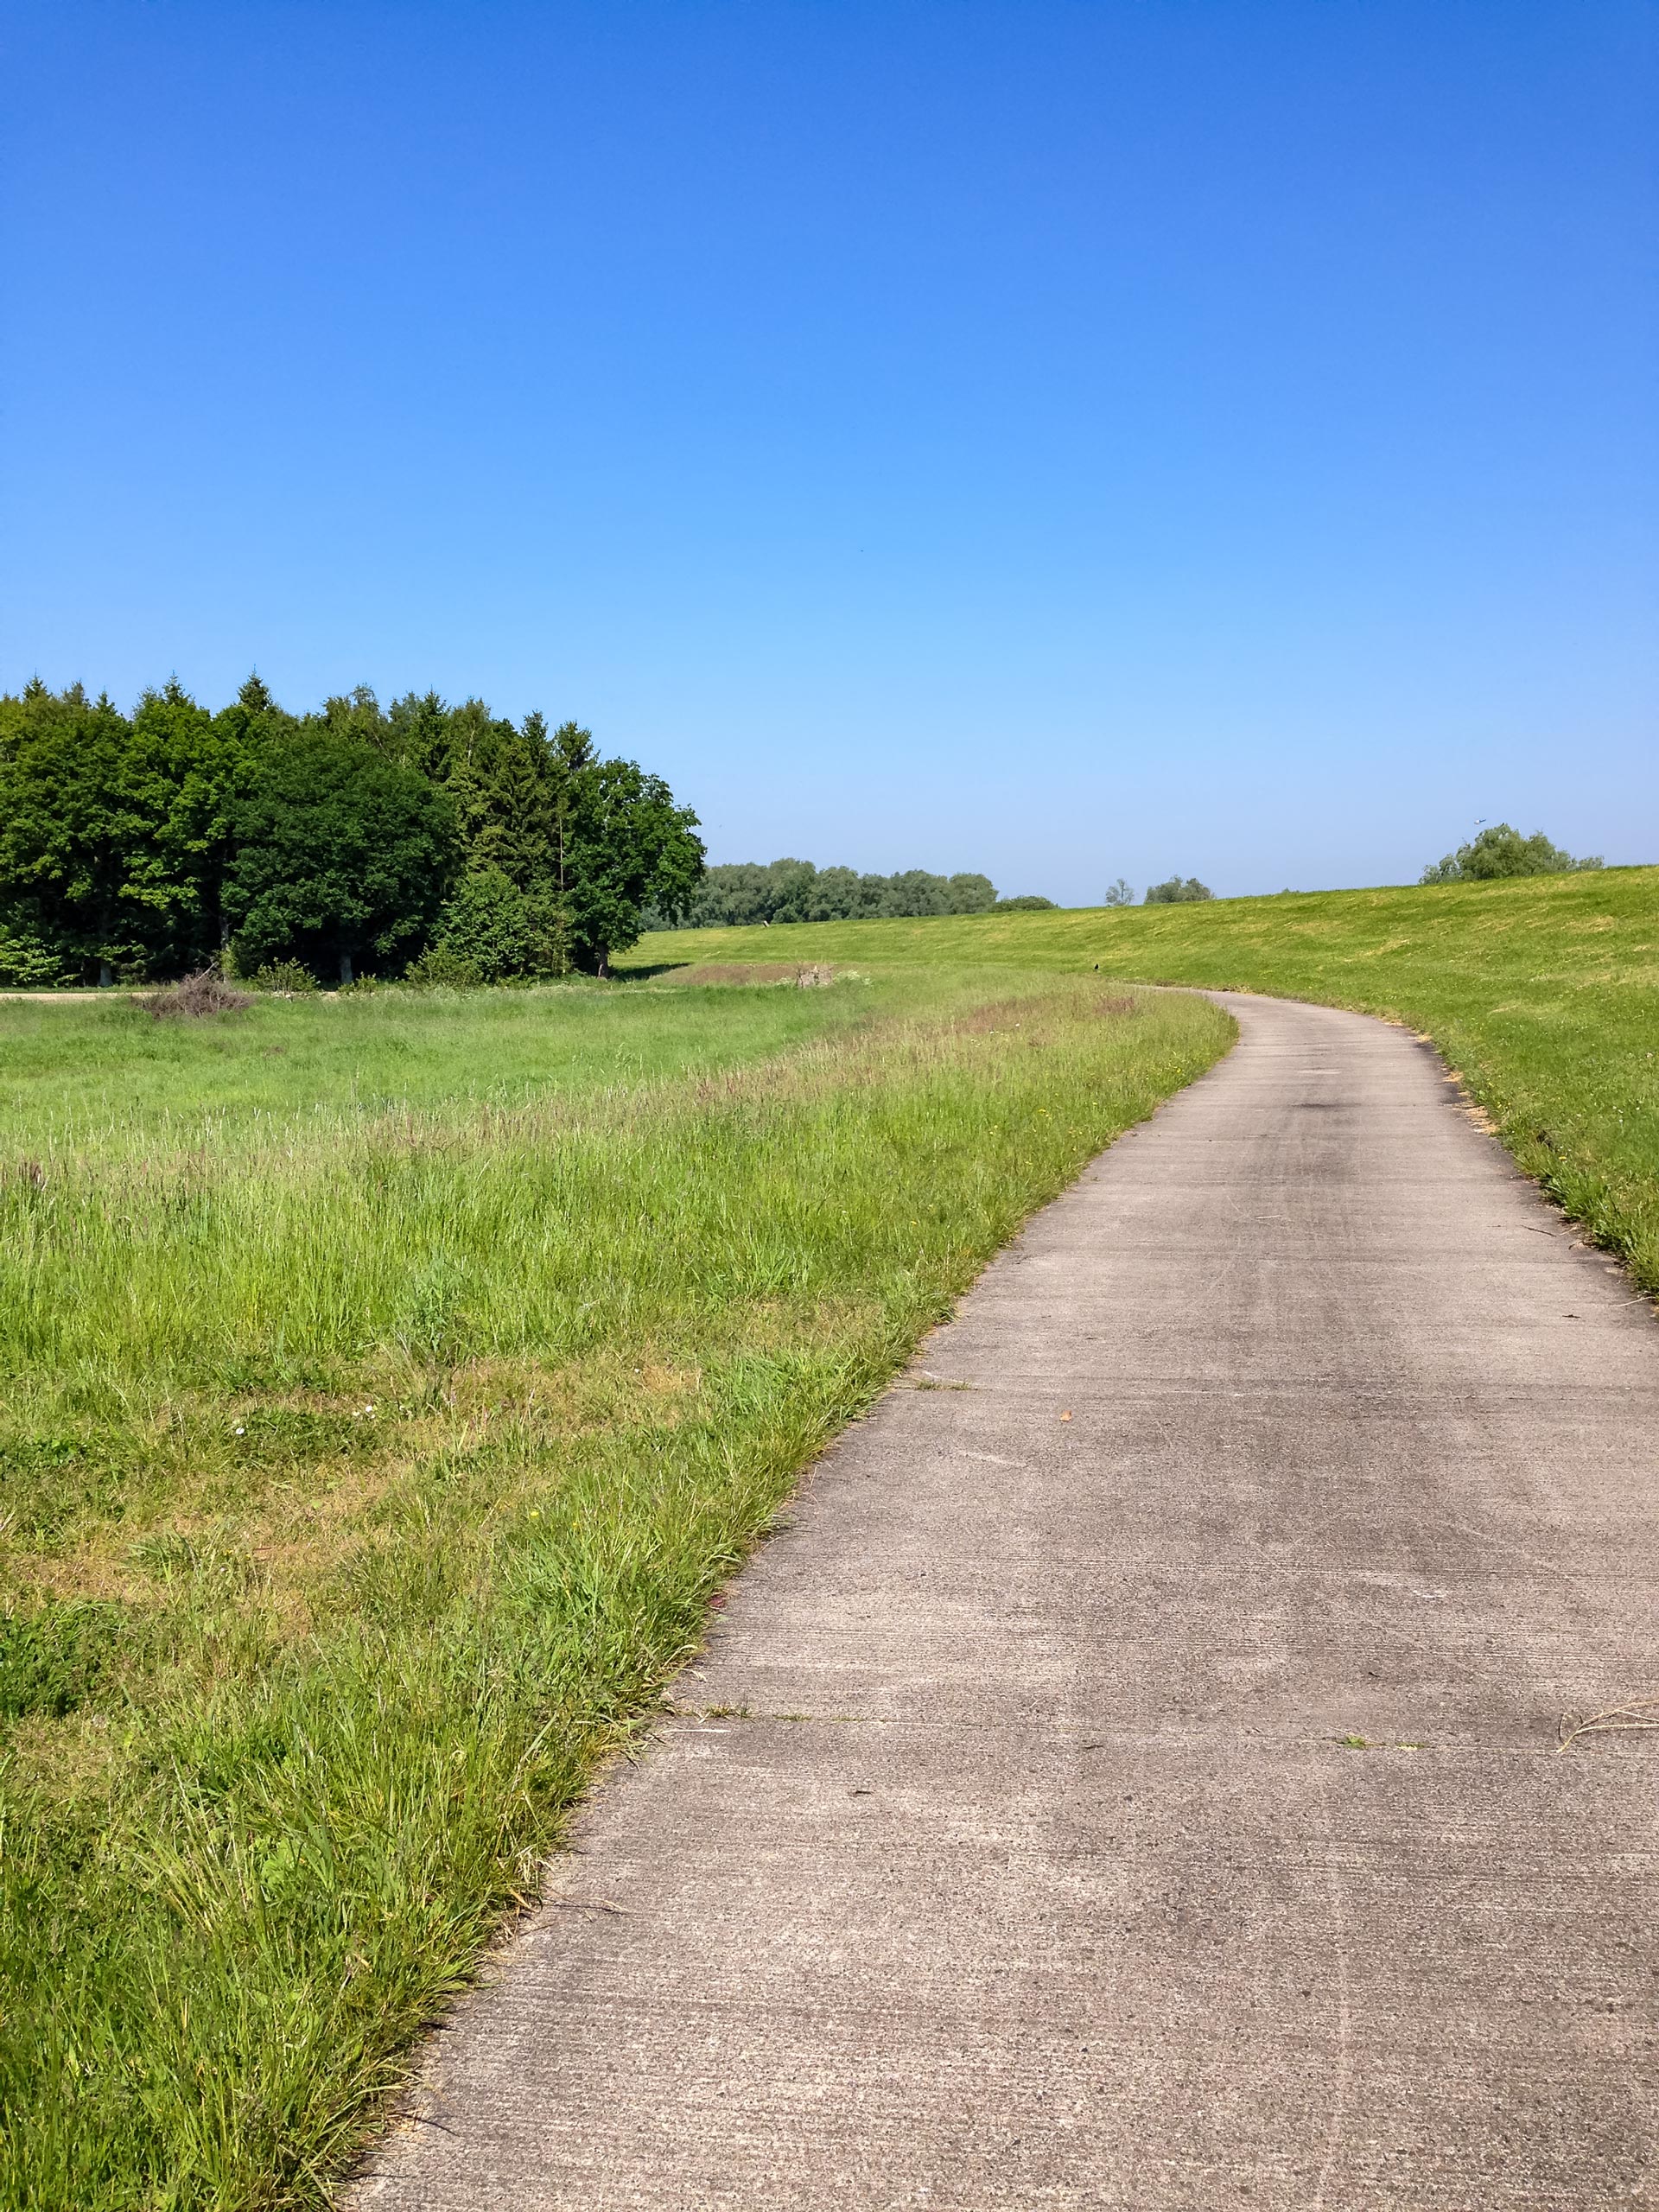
column 1028, row 1867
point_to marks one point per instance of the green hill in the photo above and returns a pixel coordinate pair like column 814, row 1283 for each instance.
column 1541, row 992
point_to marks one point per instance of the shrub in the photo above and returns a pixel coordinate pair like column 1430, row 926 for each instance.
column 286, row 978
column 26, row 961
column 1029, row 902
column 1500, row 851
column 1178, row 892
column 490, row 931
column 439, row 968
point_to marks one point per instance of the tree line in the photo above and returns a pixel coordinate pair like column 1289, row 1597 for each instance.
column 739, row 892
column 419, row 838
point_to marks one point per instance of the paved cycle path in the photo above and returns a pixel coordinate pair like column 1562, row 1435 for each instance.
column 1035, row 1868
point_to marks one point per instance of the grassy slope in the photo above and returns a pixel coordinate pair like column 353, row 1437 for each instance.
column 384, row 1387
column 1543, row 994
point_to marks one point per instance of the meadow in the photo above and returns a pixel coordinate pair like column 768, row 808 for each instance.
column 389, row 1381
column 1541, row 992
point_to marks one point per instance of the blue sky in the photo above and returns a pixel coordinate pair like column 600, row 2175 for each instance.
column 1068, row 440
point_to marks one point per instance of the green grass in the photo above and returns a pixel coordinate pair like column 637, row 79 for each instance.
column 387, row 1383
column 1543, row 994
column 89, row 1078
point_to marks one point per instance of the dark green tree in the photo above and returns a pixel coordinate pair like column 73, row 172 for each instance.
column 1178, row 892
column 344, row 857
column 620, row 844
column 132, row 847
column 182, row 774
column 64, row 834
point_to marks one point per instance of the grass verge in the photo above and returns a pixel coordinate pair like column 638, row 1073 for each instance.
column 387, row 1386
column 1542, row 993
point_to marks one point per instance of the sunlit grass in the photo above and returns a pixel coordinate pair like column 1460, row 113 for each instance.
column 387, row 1383
column 1543, row 993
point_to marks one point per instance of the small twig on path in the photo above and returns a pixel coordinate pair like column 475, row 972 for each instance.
column 1635, row 1713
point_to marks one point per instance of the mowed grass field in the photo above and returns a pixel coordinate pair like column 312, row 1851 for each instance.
column 1543, row 994
column 387, row 1383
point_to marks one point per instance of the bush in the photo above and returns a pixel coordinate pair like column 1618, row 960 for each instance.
column 26, row 961
column 1178, row 892
column 1029, row 902
column 1501, row 851
column 491, row 932
column 441, row 968
column 284, row 977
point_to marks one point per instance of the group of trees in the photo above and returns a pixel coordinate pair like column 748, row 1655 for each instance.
column 1499, row 850
column 1179, row 891
column 796, row 891
column 420, row 838
column 444, row 840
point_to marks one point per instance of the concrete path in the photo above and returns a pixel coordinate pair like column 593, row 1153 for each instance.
column 1038, row 1870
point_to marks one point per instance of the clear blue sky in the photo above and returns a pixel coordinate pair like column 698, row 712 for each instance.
column 1064, row 439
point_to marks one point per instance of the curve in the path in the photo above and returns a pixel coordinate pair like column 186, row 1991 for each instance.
column 1137, row 1780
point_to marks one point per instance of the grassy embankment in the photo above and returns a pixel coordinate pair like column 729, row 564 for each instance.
column 387, row 1383
column 1543, row 994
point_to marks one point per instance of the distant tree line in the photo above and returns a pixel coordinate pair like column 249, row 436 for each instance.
column 1499, row 851
column 444, row 842
column 1179, row 891
column 797, row 891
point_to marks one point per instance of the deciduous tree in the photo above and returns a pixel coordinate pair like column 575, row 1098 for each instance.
column 344, row 857
column 1500, row 851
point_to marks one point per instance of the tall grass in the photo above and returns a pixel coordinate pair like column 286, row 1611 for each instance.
column 1543, row 993
column 372, row 1452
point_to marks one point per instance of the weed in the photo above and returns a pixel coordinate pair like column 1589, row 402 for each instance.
column 54, row 1658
